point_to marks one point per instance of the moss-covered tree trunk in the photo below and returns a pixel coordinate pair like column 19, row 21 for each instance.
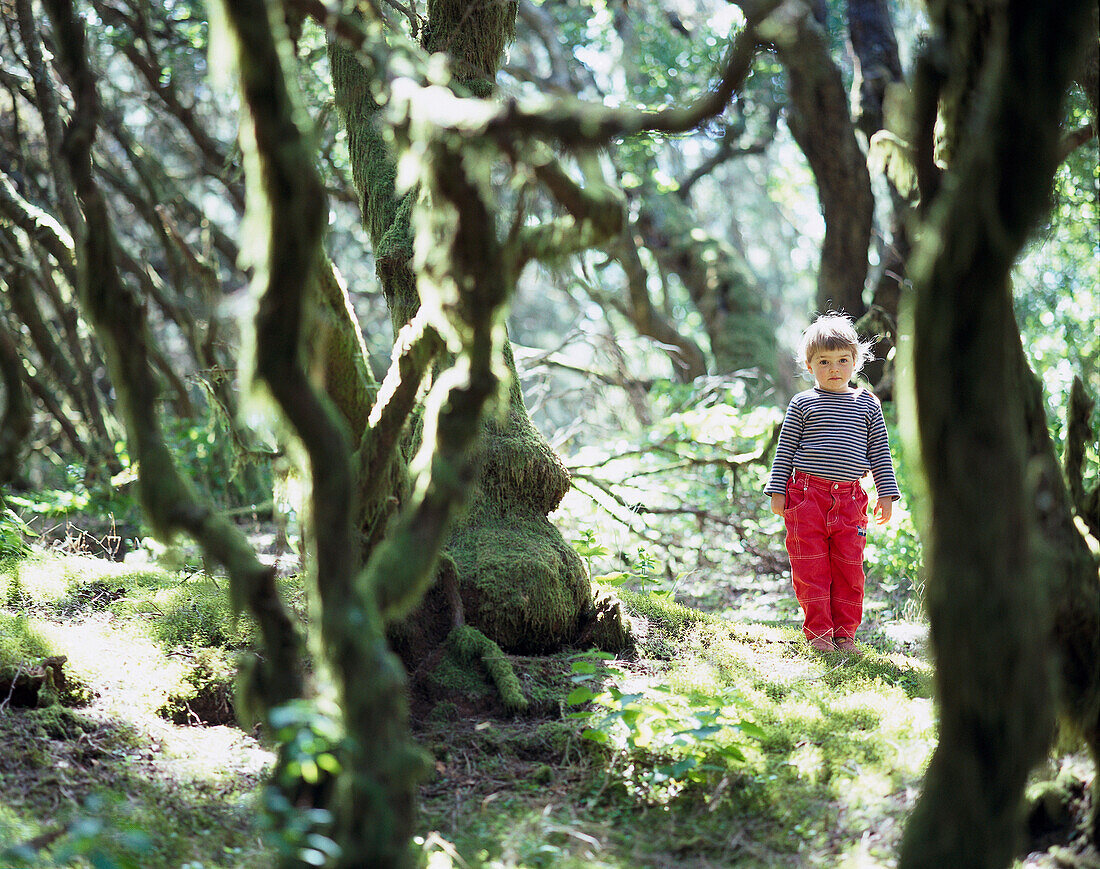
column 721, row 285
column 15, row 422
column 988, row 590
column 878, row 67
column 519, row 581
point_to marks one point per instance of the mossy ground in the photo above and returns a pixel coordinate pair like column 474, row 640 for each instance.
column 112, row 780
column 809, row 760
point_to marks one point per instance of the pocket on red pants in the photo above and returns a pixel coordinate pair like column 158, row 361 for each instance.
column 796, row 497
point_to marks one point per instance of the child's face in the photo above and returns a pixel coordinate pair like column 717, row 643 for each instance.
column 832, row 369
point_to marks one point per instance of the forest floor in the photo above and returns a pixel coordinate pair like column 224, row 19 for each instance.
column 722, row 742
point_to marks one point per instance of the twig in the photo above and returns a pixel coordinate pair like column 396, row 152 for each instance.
column 11, row 691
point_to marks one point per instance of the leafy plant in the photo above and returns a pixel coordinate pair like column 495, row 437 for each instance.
column 13, row 533
column 312, row 741
column 644, row 567
column 91, row 837
column 663, row 737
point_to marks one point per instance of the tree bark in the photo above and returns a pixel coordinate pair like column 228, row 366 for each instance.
column 878, row 66
column 820, row 121
column 720, row 283
column 15, row 423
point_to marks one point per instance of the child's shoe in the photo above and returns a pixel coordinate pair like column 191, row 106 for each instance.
column 822, row 644
column 848, row 646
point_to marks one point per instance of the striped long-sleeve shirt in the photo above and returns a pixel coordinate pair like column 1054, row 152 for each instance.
column 837, row 436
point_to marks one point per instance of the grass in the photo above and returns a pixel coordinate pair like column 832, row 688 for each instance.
column 723, row 742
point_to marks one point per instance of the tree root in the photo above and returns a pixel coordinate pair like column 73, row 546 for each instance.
column 471, row 645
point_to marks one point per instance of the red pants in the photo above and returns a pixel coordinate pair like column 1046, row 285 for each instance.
column 826, row 533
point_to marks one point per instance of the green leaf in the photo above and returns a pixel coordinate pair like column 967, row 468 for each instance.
column 580, row 694
column 702, row 732
column 751, row 730
column 312, row 857
column 678, row 770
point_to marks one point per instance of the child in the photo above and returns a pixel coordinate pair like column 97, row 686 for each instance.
column 832, row 435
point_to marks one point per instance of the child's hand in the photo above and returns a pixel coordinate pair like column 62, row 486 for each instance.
column 777, row 504
column 884, row 509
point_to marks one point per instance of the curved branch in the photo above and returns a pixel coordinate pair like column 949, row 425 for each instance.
column 40, row 226
column 168, row 500
column 149, row 66
column 47, row 104
column 686, row 355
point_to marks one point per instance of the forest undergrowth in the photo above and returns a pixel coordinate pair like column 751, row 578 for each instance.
column 721, row 741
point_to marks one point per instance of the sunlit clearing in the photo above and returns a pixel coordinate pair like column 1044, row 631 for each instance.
column 129, row 669
column 49, row 578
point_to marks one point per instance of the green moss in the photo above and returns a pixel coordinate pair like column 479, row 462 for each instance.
column 31, row 673
column 474, row 35
column 663, row 622
column 66, row 585
column 198, row 613
column 19, row 642
column 58, row 722
column 522, row 584
column 670, row 617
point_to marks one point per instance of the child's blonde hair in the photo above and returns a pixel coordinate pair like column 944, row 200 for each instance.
column 834, row 331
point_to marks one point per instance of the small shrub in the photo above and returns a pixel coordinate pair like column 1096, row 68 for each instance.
column 659, row 736
column 13, row 534
column 895, row 561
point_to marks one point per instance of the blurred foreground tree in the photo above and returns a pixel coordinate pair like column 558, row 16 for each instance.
column 1012, row 592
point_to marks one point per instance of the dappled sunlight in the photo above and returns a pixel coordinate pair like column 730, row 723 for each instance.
column 65, row 580
column 540, row 837
column 41, row 578
column 215, row 759
column 192, row 788
column 130, row 671
column 808, row 761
